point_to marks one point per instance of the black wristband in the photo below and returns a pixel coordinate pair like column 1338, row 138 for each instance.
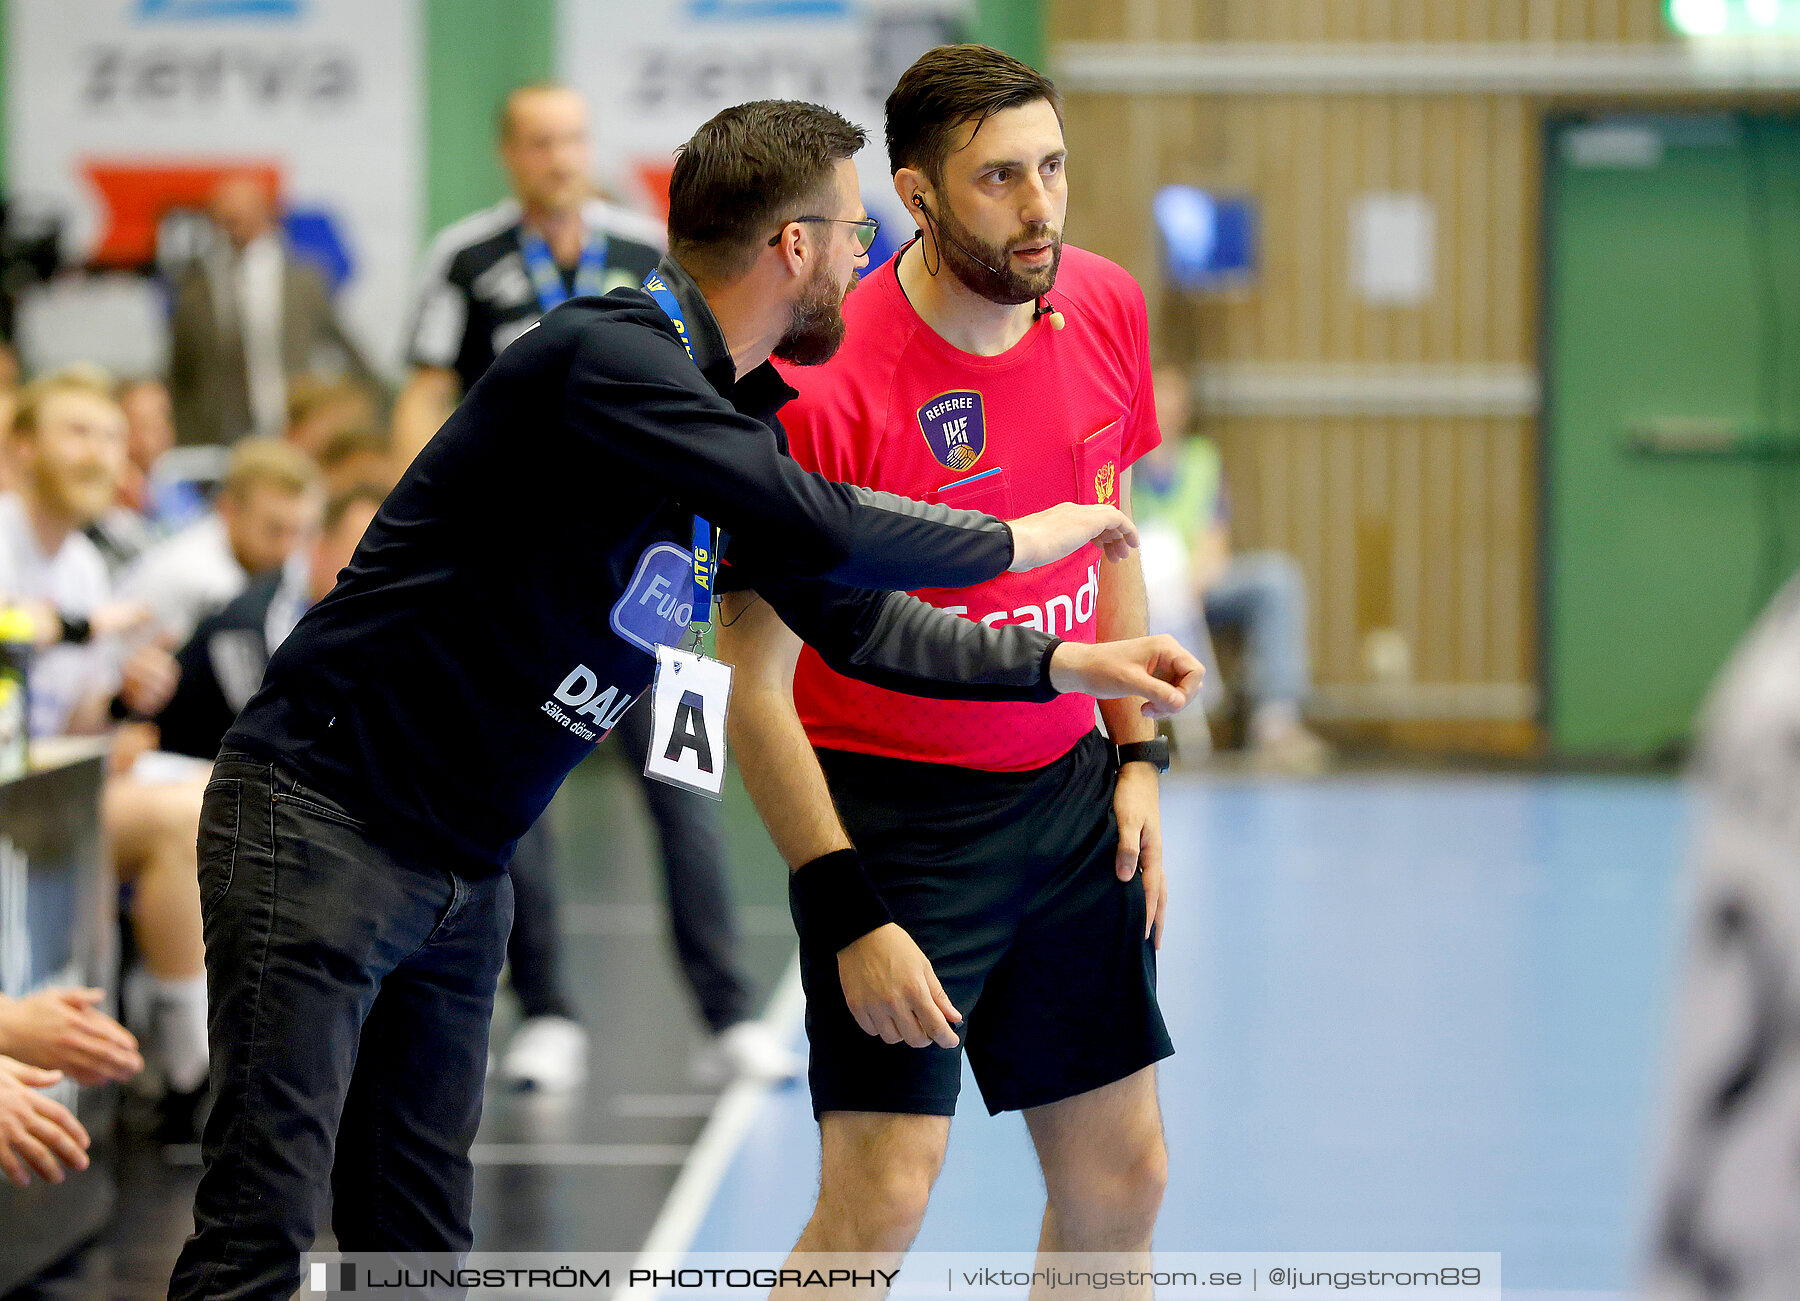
column 1047, row 689
column 75, row 628
column 834, row 902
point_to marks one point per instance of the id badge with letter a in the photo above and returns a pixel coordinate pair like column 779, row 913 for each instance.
column 687, row 721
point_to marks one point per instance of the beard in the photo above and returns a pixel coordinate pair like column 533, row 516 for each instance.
column 80, row 494
column 986, row 269
column 816, row 321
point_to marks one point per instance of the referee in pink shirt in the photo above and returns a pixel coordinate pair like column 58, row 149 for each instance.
column 1002, row 860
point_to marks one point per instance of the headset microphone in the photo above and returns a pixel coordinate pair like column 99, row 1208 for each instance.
column 1043, row 308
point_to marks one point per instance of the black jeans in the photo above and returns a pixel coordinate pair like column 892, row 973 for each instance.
column 350, row 990
column 533, row 948
column 689, row 829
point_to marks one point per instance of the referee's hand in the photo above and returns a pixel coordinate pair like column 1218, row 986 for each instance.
column 1160, row 669
column 893, row 992
column 1052, row 534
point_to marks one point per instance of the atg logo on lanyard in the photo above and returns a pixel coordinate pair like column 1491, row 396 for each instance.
column 546, row 276
column 705, row 562
column 690, row 695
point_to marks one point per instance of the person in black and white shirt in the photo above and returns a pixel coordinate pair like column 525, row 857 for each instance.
column 268, row 502
column 490, row 276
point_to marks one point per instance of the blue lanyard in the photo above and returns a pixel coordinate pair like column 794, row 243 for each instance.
column 706, row 564
column 547, row 278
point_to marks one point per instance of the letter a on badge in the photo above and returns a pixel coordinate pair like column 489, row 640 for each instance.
column 689, row 732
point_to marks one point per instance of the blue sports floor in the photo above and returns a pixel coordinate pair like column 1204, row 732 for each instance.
column 1409, row 1013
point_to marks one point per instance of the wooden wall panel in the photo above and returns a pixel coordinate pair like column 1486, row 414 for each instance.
column 1420, row 524
column 1306, row 158
column 1366, row 20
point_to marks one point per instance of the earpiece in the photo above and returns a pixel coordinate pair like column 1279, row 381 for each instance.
column 939, row 232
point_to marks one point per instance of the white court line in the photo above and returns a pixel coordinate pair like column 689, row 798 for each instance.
column 595, row 1154
column 698, row 1183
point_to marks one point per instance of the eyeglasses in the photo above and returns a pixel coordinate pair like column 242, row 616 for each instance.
column 865, row 229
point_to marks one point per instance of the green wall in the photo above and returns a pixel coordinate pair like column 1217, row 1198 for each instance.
column 1016, row 26
column 475, row 51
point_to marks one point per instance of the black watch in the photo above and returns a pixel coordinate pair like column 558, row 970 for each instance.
column 1155, row 753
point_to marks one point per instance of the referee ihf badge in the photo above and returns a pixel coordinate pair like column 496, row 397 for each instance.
column 953, row 428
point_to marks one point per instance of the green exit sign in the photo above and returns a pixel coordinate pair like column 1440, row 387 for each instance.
column 1735, row 17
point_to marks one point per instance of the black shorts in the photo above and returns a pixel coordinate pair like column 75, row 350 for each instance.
column 1006, row 881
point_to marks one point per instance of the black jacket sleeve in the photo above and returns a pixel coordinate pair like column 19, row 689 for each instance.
column 635, row 390
column 897, row 641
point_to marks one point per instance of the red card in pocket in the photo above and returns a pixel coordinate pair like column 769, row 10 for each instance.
column 1097, row 467
column 990, row 491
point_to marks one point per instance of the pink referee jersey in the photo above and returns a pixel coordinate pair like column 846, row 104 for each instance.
column 1056, row 418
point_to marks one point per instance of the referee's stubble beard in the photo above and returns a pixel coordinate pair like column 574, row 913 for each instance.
column 985, row 269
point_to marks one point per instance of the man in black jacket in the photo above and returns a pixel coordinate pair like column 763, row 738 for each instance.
column 501, row 613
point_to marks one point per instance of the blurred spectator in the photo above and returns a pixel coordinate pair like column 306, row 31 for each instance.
column 319, row 409
column 38, row 1135
column 356, row 456
column 151, row 827
column 149, row 432
column 222, row 664
column 246, row 316
column 1198, row 585
column 68, row 443
column 127, row 530
column 490, row 276
column 65, row 1030
column 69, row 439
column 267, row 503
column 9, row 403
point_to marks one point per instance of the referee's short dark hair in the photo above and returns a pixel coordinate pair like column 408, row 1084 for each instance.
column 749, row 168
column 949, row 86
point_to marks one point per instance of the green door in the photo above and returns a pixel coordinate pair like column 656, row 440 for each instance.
column 1672, row 384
